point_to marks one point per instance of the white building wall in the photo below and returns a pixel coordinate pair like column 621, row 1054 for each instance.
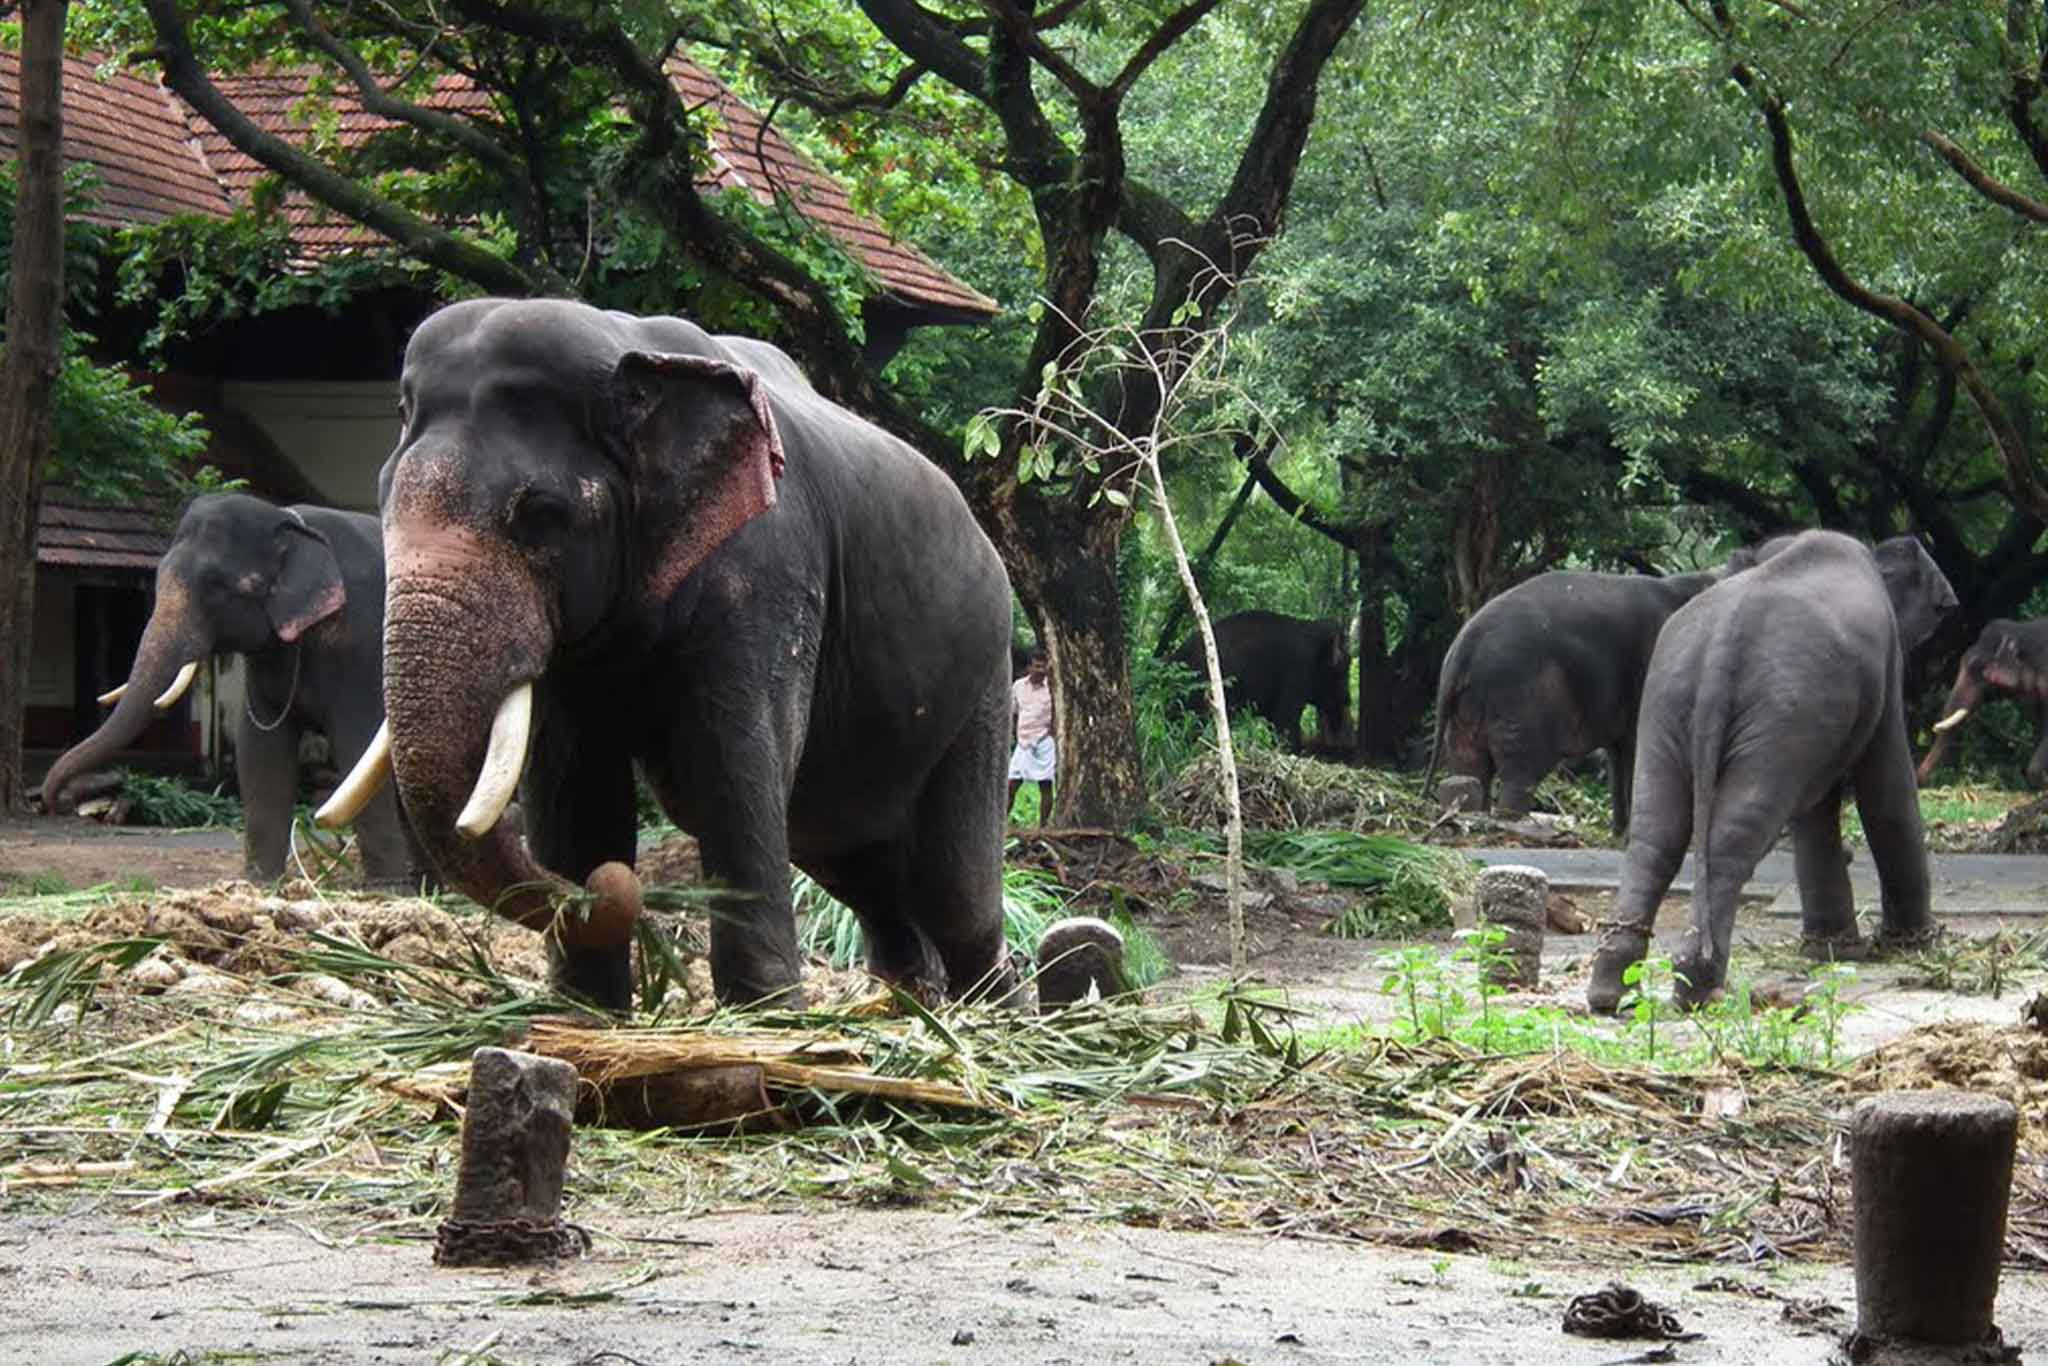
column 336, row 435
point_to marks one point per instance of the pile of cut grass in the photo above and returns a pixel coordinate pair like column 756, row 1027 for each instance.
column 1106, row 1111
column 1281, row 791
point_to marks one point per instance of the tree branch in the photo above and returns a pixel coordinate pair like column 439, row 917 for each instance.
column 1292, row 503
column 1983, row 182
column 414, row 235
column 1165, row 36
column 2011, row 445
column 380, row 102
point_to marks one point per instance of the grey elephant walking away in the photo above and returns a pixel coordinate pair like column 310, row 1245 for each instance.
column 635, row 544
column 1275, row 665
column 1550, row 671
column 298, row 594
column 1770, row 696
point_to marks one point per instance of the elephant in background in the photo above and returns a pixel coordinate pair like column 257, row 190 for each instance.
column 2008, row 655
column 1550, row 671
column 617, row 541
column 1768, row 697
column 1275, row 665
column 298, row 593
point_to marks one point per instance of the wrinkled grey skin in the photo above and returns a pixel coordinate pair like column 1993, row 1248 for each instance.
column 2007, row 656
column 1275, row 665
column 1768, row 697
column 292, row 595
column 1550, row 671
column 788, row 619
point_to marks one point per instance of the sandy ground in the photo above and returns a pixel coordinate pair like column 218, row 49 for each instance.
column 874, row 1285
column 858, row 1287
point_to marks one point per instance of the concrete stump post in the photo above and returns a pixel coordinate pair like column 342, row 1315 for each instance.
column 515, row 1150
column 1460, row 793
column 1516, row 899
column 1076, row 954
column 1932, row 1174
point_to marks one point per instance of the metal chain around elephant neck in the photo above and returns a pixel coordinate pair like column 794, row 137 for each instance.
column 291, row 695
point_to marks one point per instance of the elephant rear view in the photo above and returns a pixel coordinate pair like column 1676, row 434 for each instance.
column 298, row 593
column 618, row 541
column 1275, row 665
column 1768, row 696
column 1549, row 671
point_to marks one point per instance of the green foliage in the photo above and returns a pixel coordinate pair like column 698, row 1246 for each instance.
column 156, row 800
column 1408, row 886
column 110, row 443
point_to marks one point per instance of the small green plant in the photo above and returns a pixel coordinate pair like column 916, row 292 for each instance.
column 1647, row 975
column 1483, row 950
column 1826, row 1006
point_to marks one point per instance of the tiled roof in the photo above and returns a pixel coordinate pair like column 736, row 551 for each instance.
column 157, row 158
column 88, row 536
column 132, row 132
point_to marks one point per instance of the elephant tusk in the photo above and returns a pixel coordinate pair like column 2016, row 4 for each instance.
column 364, row 781
column 178, row 685
column 504, row 761
column 111, row 695
column 1951, row 721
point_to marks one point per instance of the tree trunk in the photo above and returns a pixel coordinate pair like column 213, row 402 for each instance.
column 1068, row 587
column 30, row 363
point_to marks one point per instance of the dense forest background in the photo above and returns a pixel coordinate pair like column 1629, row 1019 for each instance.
column 1507, row 287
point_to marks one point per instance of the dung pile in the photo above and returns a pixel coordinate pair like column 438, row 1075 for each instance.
column 2008, row 1061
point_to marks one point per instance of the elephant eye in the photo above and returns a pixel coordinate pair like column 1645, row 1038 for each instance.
column 538, row 518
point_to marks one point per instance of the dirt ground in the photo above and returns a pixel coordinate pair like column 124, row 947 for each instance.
column 105, row 1278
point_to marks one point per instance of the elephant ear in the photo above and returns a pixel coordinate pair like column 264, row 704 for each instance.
column 307, row 588
column 704, row 453
column 1920, row 592
column 2003, row 669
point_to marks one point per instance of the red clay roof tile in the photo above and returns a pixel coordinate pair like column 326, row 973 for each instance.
column 157, row 158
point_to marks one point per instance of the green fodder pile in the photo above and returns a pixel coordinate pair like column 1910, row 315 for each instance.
column 1280, row 791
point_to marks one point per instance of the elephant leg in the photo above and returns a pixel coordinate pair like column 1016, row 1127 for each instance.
column 1827, row 905
column 1520, row 772
column 874, row 882
column 267, row 772
column 1660, row 831
column 578, row 801
column 1621, row 773
column 382, row 839
column 1748, row 815
column 956, row 877
column 1888, row 801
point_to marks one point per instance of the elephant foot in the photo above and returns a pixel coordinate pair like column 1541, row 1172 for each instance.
column 1906, row 939
column 1845, row 946
column 602, row 976
column 1621, row 946
column 1697, row 983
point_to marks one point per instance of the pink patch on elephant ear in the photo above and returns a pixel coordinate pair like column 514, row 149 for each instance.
column 737, row 483
column 321, row 608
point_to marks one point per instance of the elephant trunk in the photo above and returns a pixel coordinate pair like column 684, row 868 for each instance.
column 173, row 643
column 1962, row 699
column 462, row 648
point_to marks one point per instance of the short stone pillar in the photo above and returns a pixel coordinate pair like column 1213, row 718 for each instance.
column 1932, row 1175
column 515, row 1150
column 1462, row 793
column 1076, row 955
column 1514, row 898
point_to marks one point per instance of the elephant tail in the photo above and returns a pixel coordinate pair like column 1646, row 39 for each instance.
column 1449, row 684
column 1712, row 705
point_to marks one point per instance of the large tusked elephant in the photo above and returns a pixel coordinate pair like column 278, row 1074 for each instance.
column 1769, row 695
column 636, row 542
column 1275, row 665
column 298, row 593
column 1550, row 671
column 2007, row 655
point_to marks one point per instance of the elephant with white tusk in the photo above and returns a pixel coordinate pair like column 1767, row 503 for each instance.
column 298, row 593
column 618, row 542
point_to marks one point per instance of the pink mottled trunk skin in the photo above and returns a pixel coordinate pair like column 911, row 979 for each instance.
column 170, row 641
column 464, row 625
